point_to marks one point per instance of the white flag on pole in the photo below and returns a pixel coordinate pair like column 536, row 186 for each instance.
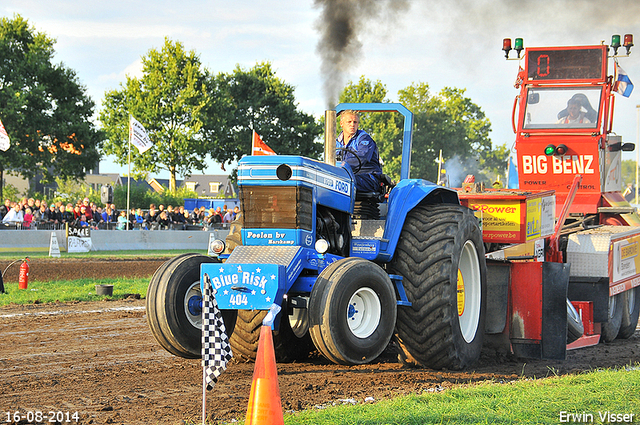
column 138, row 135
column 622, row 84
column 4, row 138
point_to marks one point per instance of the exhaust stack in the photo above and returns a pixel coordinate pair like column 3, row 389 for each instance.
column 330, row 137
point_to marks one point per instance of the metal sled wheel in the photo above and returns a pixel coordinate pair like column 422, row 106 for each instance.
column 575, row 328
column 174, row 306
column 352, row 311
column 630, row 312
column 440, row 256
column 611, row 327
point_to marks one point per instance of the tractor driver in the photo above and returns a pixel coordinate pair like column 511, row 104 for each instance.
column 360, row 143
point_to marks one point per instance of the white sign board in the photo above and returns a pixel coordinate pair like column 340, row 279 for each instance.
column 79, row 240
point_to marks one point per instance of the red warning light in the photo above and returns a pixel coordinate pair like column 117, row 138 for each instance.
column 628, row 42
column 506, row 46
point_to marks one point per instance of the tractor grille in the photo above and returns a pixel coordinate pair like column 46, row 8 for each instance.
column 269, row 207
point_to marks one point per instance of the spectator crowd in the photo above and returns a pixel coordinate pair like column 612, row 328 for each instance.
column 34, row 214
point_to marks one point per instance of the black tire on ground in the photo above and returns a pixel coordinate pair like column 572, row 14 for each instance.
column 151, row 298
column 352, row 311
column 287, row 346
column 178, row 330
column 630, row 312
column 444, row 327
column 611, row 328
column 575, row 328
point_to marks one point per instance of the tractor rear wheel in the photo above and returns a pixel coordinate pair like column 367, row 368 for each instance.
column 174, row 306
column 440, row 256
column 630, row 312
column 352, row 311
column 611, row 327
column 287, row 345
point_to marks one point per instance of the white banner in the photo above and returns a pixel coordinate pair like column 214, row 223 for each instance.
column 138, row 135
column 4, row 138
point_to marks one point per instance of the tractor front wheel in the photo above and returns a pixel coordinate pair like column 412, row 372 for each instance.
column 174, row 306
column 352, row 311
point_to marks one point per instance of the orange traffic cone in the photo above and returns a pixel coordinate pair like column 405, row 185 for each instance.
column 264, row 401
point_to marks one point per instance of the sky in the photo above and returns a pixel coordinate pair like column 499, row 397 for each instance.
column 445, row 43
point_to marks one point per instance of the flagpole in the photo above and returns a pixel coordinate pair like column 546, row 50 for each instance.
column 637, row 148
column 204, row 394
column 129, row 176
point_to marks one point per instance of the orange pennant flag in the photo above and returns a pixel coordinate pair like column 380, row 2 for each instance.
column 258, row 147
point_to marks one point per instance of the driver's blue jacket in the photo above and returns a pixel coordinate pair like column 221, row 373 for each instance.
column 367, row 150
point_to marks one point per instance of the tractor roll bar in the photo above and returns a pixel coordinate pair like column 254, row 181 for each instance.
column 388, row 107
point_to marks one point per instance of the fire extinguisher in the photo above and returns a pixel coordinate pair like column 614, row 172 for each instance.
column 23, row 280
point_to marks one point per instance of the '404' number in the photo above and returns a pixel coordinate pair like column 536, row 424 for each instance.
column 239, row 299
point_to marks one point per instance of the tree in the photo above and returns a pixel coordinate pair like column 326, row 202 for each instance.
column 448, row 121
column 260, row 101
column 628, row 172
column 452, row 123
column 43, row 107
column 175, row 102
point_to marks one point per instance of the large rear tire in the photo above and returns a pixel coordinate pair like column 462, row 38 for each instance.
column 174, row 306
column 352, row 311
column 630, row 312
column 440, row 256
column 611, row 327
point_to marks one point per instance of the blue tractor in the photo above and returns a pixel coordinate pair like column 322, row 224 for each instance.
column 350, row 270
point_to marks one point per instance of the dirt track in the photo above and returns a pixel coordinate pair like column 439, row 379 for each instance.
column 100, row 360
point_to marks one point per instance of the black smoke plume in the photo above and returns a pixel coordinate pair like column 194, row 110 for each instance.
column 341, row 25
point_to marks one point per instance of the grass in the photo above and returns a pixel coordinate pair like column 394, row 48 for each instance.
column 82, row 289
column 547, row 401
column 102, row 254
column 71, row 290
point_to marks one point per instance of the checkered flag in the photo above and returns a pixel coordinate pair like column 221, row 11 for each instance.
column 216, row 350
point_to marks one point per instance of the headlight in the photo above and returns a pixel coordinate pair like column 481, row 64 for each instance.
column 217, row 246
column 322, row 246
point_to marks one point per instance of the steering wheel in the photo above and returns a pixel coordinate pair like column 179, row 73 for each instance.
column 351, row 151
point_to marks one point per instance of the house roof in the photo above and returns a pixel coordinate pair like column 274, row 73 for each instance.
column 104, row 178
column 137, row 183
column 159, row 185
column 205, row 185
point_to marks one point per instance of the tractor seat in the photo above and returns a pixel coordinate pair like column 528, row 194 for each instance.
column 386, row 184
column 366, row 205
column 370, row 196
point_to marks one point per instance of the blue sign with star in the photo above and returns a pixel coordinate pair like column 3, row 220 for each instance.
column 245, row 286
